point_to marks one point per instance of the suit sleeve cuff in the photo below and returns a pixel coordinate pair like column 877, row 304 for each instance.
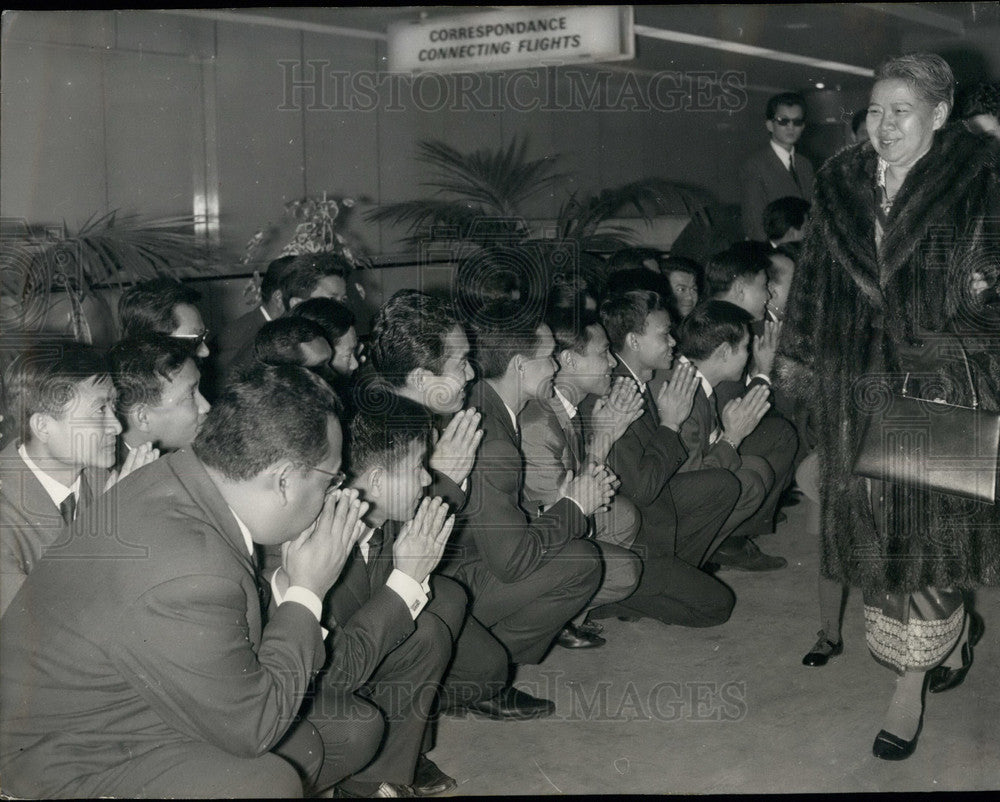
column 763, row 376
column 413, row 593
column 301, row 595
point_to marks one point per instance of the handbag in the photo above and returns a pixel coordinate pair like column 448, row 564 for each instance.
column 932, row 445
column 913, row 630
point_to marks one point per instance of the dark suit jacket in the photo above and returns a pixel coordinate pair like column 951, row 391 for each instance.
column 696, row 434
column 368, row 619
column 647, row 455
column 238, row 336
column 495, row 528
column 103, row 659
column 764, row 178
column 550, row 449
column 30, row 522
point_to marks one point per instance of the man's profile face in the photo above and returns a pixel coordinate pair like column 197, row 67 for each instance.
column 345, row 353
column 755, row 294
column 330, row 287
column 736, row 359
column 83, row 435
column 655, row 346
column 444, row 392
column 794, row 124
column 405, row 481
column 541, row 367
column 307, row 487
column 779, row 282
column 594, row 365
column 175, row 420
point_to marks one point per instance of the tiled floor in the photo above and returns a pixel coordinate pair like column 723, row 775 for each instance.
column 732, row 709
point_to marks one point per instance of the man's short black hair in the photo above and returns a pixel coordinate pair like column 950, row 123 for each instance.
column 279, row 342
column 300, row 276
column 384, row 428
column 626, row 313
column 43, row 379
column 264, row 415
column 743, row 260
column 784, row 213
column 333, row 317
column 570, row 328
column 271, row 282
column 784, row 99
column 504, row 329
column 140, row 366
column 499, row 273
column 639, row 278
column 148, row 307
column 409, row 332
column 709, row 325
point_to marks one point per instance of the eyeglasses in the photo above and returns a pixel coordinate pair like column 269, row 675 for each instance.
column 336, row 481
column 195, row 339
column 798, row 122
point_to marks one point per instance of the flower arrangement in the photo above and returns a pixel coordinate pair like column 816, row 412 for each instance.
column 320, row 227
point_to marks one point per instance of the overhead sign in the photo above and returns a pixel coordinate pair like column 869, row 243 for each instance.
column 525, row 36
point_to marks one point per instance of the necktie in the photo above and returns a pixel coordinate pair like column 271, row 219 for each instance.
column 68, row 509
column 263, row 587
column 579, row 445
column 791, row 169
column 375, row 544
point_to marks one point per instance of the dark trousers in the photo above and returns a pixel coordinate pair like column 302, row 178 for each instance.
column 676, row 536
column 195, row 769
column 526, row 615
column 479, row 668
column 775, row 441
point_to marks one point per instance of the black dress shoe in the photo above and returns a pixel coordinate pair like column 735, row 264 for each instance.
column 944, row 678
column 429, row 780
column 891, row 747
column 822, row 651
column 749, row 557
column 574, row 638
column 508, row 705
column 590, row 627
column 352, row 789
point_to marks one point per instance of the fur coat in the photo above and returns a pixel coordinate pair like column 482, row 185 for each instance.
column 859, row 317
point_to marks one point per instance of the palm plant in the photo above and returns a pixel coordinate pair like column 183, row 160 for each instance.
column 479, row 197
column 110, row 249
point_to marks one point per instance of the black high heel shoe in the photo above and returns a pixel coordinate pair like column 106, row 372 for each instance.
column 943, row 678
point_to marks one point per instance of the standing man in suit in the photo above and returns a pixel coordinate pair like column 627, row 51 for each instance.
column 238, row 335
column 60, row 399
column 777, row 170
column 527, row 575
column 158, row 675
column 681, row 513
column 556, row 444
column 159, row 399
column 420, row 352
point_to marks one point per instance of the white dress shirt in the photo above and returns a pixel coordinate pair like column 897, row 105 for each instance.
column 784, row 155
column 57, row 491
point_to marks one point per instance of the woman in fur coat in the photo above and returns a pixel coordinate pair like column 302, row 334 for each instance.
column 904, row 234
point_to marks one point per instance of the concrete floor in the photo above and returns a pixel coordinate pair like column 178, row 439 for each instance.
column 731, row 709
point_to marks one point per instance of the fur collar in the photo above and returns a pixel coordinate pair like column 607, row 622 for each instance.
column 845, row 196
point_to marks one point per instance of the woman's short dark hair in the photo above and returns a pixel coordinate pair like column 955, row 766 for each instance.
column 141, row 365
column 928, row 75
column 279, row 342
column 43, row 379
column 709, row 325
column 148, row 307
column 266, row 414
column 333, row 316
column 409, row 332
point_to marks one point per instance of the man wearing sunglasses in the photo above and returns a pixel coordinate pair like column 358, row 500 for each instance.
column 778, row 170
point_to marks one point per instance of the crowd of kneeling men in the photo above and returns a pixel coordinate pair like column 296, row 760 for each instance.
column 279, row 593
